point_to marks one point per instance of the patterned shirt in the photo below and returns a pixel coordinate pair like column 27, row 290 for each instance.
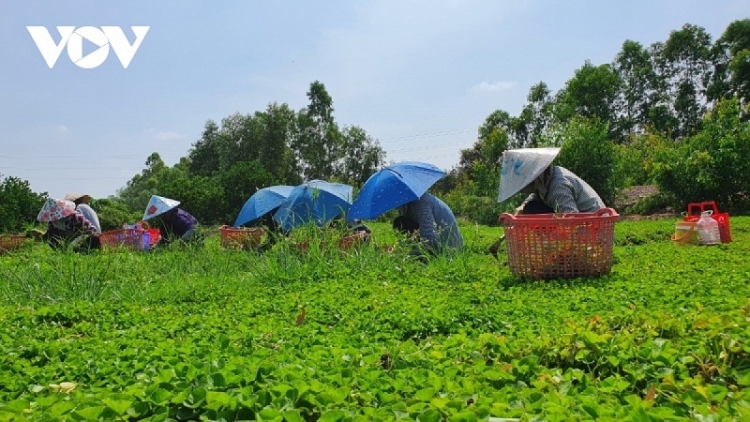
column 72, row 225
column 567, row 193
column 437, row 224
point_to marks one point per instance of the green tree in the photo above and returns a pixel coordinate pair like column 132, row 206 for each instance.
column 731, row 54
column 276, row 129
column 589, row 153
column 687, row 58
column 201, row 196
column 479, row 166
column 532, row 124
column 713, row 164
column 591, row 92
column 642, row 88
column 19, row 205
column 137, row 192
column 238, row 184
column 318, row 145
column 363, row 156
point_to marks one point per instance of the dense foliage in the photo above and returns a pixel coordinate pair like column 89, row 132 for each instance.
column 245, row 153
column 19, row 205
column 211, row 334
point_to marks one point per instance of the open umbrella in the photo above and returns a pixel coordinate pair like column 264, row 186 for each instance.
column 262, row 202
column 317, row 200
column 392, row 186
column 158, row 205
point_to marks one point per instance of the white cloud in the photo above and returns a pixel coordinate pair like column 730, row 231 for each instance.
column 487, row 87
column 163, row 135
column 168, row 136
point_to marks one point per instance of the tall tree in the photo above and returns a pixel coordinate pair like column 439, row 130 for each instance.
column 590, row 93
column 318, row 143
column 479, row 166
column 641, row 89
column 731, row 55
column 363, row 156
column 687, row 55
column 535, row 117
column 276, row 129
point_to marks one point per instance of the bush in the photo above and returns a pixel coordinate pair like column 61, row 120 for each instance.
column 113, row 213
column 712, row 165
column 19, row 205
column 478, row 209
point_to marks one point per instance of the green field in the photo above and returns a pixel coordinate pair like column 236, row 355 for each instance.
column 211, row 334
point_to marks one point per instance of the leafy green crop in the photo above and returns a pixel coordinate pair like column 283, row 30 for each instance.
column 211, row 334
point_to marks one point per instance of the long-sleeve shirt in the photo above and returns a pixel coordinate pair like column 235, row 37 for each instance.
column 179, row 222
column 437, row 224
column 90, row 215
column 567, row 193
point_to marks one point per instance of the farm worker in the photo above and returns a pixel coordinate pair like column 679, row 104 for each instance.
column 67, row 226
column 82, row 205
column 176, row 222
column 551, row 189
column 431, row 221
column 272, row 228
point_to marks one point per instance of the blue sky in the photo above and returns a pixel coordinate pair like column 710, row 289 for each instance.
column 420, row 76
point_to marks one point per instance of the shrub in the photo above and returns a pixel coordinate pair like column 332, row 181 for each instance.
column 19, row 205
column 711, row 165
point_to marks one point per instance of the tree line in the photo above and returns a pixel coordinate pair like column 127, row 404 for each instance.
column 674, row 113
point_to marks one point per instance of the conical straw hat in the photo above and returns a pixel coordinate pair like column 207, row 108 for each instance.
column 521, row 167
column 75, row 196
column 158, row 205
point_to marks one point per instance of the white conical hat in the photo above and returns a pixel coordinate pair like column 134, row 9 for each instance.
column 521, row 167
column 158, row 205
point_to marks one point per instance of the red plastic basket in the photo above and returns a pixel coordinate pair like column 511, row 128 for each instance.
column 240, row 238
column 11, row 242
column 694, row 214
column 549, row 246
column 128, row 238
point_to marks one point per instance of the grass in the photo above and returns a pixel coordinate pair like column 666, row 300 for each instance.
column 211, row 333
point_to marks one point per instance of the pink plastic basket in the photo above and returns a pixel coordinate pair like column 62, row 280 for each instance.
column 550, row 246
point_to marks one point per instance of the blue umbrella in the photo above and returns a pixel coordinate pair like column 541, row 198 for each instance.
column 392, row 186
column 262, row 202
column 317, row 200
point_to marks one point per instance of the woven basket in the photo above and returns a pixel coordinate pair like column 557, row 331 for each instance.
column 551, row 246
column 10, row 242
column 240, row 238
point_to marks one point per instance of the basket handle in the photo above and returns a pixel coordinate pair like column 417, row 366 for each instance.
column 701, row 206
column 506, row 217
column 610, row 211
column 681, row 238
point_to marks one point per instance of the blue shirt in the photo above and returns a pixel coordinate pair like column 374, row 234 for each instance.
column 437, row 224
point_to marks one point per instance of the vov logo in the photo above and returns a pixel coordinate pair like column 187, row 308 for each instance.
column 73, row 38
